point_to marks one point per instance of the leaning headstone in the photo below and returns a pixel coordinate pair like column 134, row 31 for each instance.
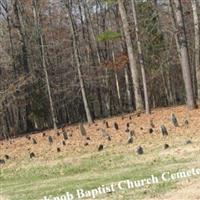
column 163, row 130
column 58, row 149
column 32, row 155
column 82, row 130
column 139, row 150
column 100, row 147
column 2, row 162
column 107, row 125
column 7, row 157
column 50, row 139
column 64, row 143
column 116, row 126
column 34, row 141
column 174, row 120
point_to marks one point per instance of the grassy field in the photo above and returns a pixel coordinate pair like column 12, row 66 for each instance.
column 33, row 179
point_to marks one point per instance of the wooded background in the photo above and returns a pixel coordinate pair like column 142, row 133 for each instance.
column 67, row 61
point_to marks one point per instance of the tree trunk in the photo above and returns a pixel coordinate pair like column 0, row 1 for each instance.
column 77, row 59
column 147, row 107
column 197, row 45
column 128, row 93
column 132, row 59
column 116, row 80
column 39, row 31
column 184, row 55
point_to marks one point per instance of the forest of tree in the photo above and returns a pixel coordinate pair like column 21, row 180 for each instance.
column 67, row 61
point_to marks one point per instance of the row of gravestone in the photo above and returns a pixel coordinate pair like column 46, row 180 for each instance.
column 106, row 135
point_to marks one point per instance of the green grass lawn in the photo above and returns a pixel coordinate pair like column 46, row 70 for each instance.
column 33, row 180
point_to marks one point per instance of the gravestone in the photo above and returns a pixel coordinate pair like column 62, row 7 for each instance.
column 86, row 144
column 82, row 130
column 88, row 138
column 152, row 124
column 58, row 133
column 128, row 125
column 150, row 130
column 2, row 162
column 130, row 140
column 50, row 139
column 139, row 150
column 65, row 136
column 188, row 142
column 186, row 123
column 116, row 126
column 163, row 130
column 107, row 125
column 174, row 120
column 166, row 146
column 100, row 147
column 132, row 133
column 34, row 141
column 32, row 155
column 28, row 137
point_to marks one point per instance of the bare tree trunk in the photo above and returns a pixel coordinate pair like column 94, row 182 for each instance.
column 184, row 55
column 128, row 93
column 37, row 23
column 132, row 59
column 197, row 45
column 147, row 107
column 77, row 59
column 116, row 80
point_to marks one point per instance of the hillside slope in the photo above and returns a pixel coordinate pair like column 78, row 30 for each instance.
column 79, row 164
